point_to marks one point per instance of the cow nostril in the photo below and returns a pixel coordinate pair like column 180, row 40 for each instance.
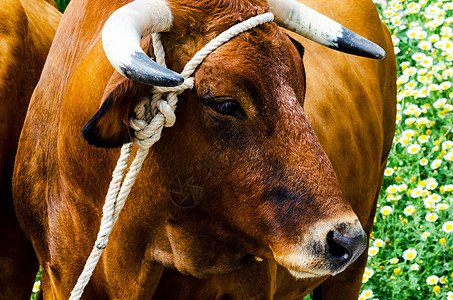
column 337, row 246
column 344, row 249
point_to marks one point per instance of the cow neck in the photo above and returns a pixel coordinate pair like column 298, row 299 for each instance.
column 151, row 116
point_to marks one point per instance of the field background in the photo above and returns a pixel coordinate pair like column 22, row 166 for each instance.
column 410, row 255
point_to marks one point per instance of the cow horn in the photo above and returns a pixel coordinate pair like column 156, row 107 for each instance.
column 309, row 23
column 121, row 38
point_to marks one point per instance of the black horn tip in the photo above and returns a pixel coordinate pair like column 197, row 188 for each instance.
column 353, row 43
column 147, row 71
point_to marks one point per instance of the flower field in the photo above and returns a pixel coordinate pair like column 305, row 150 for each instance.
column 410, row 254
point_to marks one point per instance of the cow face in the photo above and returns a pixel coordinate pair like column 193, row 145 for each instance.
column 246, row 177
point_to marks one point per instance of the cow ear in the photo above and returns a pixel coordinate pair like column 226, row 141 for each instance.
column 109, row 127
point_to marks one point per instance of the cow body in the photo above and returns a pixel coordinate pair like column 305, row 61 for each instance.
column 175, row 218
column 26, row 32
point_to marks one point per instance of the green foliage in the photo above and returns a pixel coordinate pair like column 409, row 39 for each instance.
column 411, row 245
column 61, row 4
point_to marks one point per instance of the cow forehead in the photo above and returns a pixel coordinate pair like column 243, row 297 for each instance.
column 262, row 62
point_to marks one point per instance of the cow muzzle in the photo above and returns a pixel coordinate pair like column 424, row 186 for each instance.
column 327, row 249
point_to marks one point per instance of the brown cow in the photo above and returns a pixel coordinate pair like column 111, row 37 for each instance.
column 241, row 177
column 26, row 32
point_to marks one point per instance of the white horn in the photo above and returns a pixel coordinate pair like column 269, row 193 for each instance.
column 121, row 38
column 309, row 23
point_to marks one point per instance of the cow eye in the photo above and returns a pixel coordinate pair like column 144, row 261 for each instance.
column 227, row 108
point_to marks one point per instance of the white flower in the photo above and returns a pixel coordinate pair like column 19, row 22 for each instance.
column 447, row 227
column 435, row 197
column 434, row 23
column 413, row 149
column 425, row 235
column 425, row 45
column 392, row 189
column 367, row 294
column 447, row 145
column 431, row 184
column 449, row 156
column 410, row 121
column 423, row 138
column 410, row 254
column 409, row 210
column 415, row 267
column 389, row 171
column 439, row 103
column 424, row 161
column 427, row 62
column 428, row 203
column 386, row 210
column 391, row 197
column 445, row 85
column 442, row 206
column 372, row 251
column 431, row 280
column 394, row 261
column 417, row 192
column 411, row 70
column 36, row 287
column 416, row 33
column 367, row 274
column 450, row 295
column 378, row 243
column 402, row 187
column 409, row 132
column 431, row 217
column 436, row 164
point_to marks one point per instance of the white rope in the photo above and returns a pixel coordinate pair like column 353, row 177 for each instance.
column 151, row 116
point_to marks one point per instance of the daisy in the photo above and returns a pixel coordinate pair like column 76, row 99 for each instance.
column 425, row 235
column 449, row 156
column 432, row 280
column 447, row 227
column 431, row 184
column 409, row 210
column 431, row 217
column 410, row 254
column 417, row 192
column 372, row 251
column 386, row 210
column 424, row 161
column 435, row 164
column 389, row 172
column 367, row 294
column 447, row 145
column 394, row 261
column 379, row 243
column 442, row 206
column 413, row 149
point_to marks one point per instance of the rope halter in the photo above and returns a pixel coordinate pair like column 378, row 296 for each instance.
column 151, row 116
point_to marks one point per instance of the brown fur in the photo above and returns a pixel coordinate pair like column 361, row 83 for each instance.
column 26, row 32
column 214, row 191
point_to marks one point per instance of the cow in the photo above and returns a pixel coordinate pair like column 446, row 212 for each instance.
column 251, row 194
column 26, row 32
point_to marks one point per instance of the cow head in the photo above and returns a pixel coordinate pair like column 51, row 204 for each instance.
column 246, row 176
